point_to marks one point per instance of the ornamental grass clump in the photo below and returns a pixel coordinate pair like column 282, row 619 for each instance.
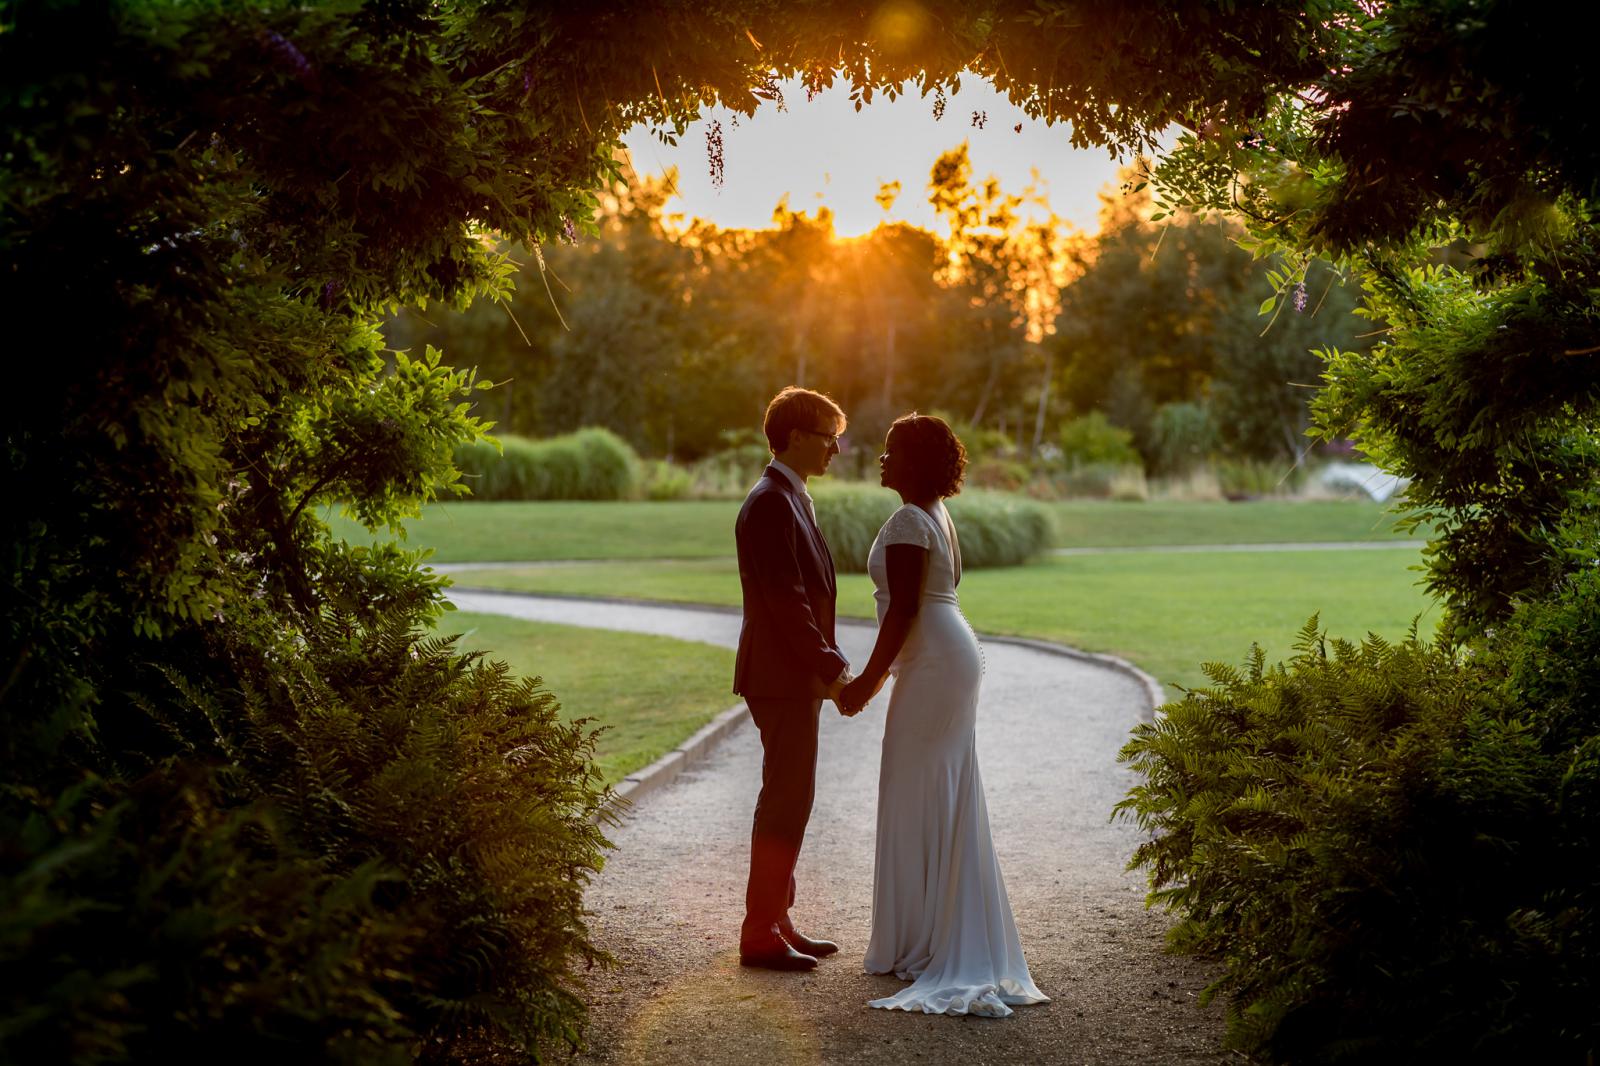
column 850, row 517
column 993, row 529
column 998, row 530
column 591, row 464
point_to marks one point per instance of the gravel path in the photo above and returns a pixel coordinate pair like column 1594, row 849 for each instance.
column 670, row 898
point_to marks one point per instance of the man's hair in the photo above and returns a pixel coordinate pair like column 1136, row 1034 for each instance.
column 796, row 408
column 938, row 458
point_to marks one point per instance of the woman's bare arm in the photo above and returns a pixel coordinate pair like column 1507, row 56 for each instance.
column 908, row 568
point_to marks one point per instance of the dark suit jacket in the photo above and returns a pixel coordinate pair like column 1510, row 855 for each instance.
column 786, row 645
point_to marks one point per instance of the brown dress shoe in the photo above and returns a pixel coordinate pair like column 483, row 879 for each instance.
column 800, row 942
column 772, row 952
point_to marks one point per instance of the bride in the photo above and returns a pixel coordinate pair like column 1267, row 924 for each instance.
column 940, row 916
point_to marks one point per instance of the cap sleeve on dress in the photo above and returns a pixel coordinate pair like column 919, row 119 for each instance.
column 908, row 525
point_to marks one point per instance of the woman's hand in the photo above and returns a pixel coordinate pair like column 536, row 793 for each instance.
column 856, row 694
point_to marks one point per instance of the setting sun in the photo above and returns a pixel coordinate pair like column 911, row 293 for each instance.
column 821, row 151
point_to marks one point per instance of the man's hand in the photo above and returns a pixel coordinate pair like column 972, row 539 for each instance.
column 844, row 678
column 837, row 688
column 855, row 696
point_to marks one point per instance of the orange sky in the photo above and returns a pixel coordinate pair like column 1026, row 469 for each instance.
column 824, row 152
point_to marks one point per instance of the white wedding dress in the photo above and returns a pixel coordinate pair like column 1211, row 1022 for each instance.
column 940, row 916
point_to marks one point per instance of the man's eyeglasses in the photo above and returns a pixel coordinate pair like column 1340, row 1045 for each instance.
column 831, row 438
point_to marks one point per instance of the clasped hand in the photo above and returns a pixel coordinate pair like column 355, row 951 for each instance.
column 855, row 696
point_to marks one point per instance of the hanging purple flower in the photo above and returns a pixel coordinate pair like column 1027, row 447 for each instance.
column 568, row 230
column 1300, row 297
column 714, row 152
column 287, row 56
column 769, row 89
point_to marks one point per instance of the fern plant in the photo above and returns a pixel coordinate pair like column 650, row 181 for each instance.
column 364, row 841
column 1378, row 845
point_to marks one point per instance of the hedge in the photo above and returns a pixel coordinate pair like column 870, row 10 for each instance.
column 994, row 530
column 591, row 464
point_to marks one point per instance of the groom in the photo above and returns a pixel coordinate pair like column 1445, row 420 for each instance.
column 788, row 663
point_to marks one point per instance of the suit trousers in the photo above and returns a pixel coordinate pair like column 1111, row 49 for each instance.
column 788, row 786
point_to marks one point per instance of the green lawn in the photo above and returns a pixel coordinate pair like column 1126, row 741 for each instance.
column 526, row 531
column 695, row 529
column 1171, row 612
column 1101, row 524
column 1167, row 612
column 650, row 692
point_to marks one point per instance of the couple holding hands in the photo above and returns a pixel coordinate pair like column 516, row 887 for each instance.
column 940, row 916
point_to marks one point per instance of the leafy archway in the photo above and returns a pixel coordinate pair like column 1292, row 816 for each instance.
column 212, row 204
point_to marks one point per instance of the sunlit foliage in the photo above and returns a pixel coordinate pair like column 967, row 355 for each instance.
column 214, row 713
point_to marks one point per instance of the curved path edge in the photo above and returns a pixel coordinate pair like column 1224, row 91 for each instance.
column 636, row 786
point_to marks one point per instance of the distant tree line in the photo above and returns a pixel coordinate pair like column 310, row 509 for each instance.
column 674, row 335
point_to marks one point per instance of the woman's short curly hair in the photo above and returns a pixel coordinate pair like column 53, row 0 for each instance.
column 938, row 458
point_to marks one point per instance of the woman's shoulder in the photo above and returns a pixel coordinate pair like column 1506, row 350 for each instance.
column 912, row 512
column 909, row 524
